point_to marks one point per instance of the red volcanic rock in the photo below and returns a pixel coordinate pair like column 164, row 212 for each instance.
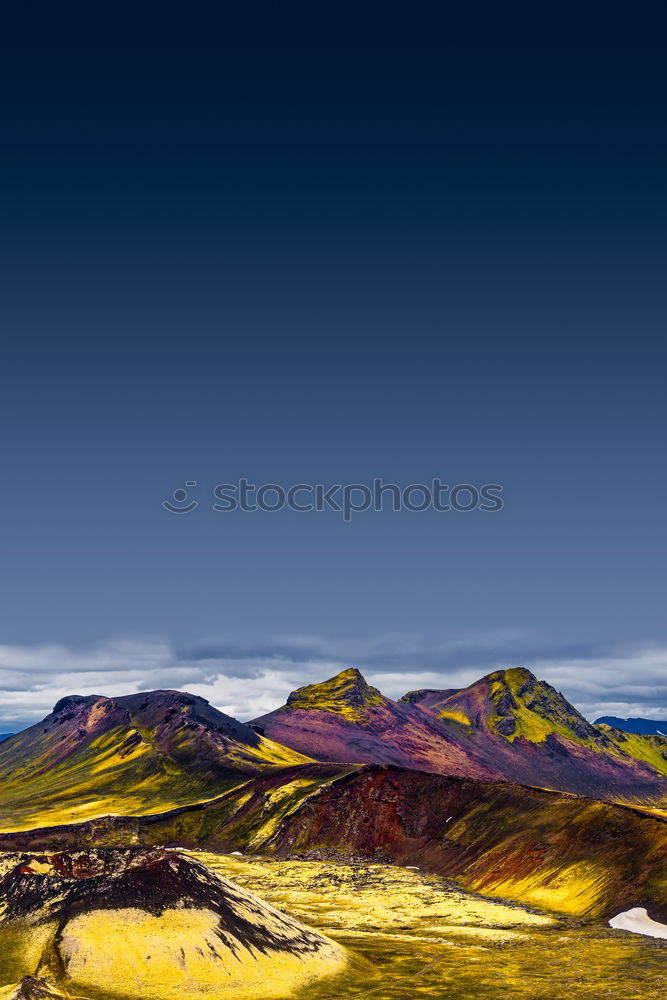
column 572, row 854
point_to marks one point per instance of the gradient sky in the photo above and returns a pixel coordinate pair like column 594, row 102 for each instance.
column 325, row 245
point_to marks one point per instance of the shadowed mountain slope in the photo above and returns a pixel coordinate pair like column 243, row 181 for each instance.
column 149, row 923
column 509, row 725
column 139, row 753
column 427, row 697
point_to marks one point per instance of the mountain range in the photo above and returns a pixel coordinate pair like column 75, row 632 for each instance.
column 502, row 785
column 508, row 726
column 643, row 727
column 154, row 751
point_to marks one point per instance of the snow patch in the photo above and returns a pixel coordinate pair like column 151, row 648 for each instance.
column 638, row 921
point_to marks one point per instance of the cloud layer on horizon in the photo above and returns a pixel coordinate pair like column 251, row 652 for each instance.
column 248, row 678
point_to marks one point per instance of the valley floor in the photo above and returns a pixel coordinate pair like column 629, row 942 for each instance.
column 420, row 937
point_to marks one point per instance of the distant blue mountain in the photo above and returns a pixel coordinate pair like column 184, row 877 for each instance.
column 5, row 736
column 645, row 727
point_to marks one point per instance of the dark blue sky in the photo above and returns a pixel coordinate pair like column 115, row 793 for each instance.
column 312, row 246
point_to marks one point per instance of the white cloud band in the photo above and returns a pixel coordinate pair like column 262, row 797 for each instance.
column 248, row 678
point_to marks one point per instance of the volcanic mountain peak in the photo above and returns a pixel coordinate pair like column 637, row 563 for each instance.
column 346, row 694
column 158, row 713
column 513, row 702
column 141, row 752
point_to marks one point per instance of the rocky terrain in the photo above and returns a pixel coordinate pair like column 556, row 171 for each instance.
column 35, row 988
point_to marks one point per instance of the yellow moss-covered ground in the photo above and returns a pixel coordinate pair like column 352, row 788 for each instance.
column 55, row 774
column 425, row 939
column 135, row 951
column 415, row 937
column 651, row 749
column 371, row 897
column 455, row 715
